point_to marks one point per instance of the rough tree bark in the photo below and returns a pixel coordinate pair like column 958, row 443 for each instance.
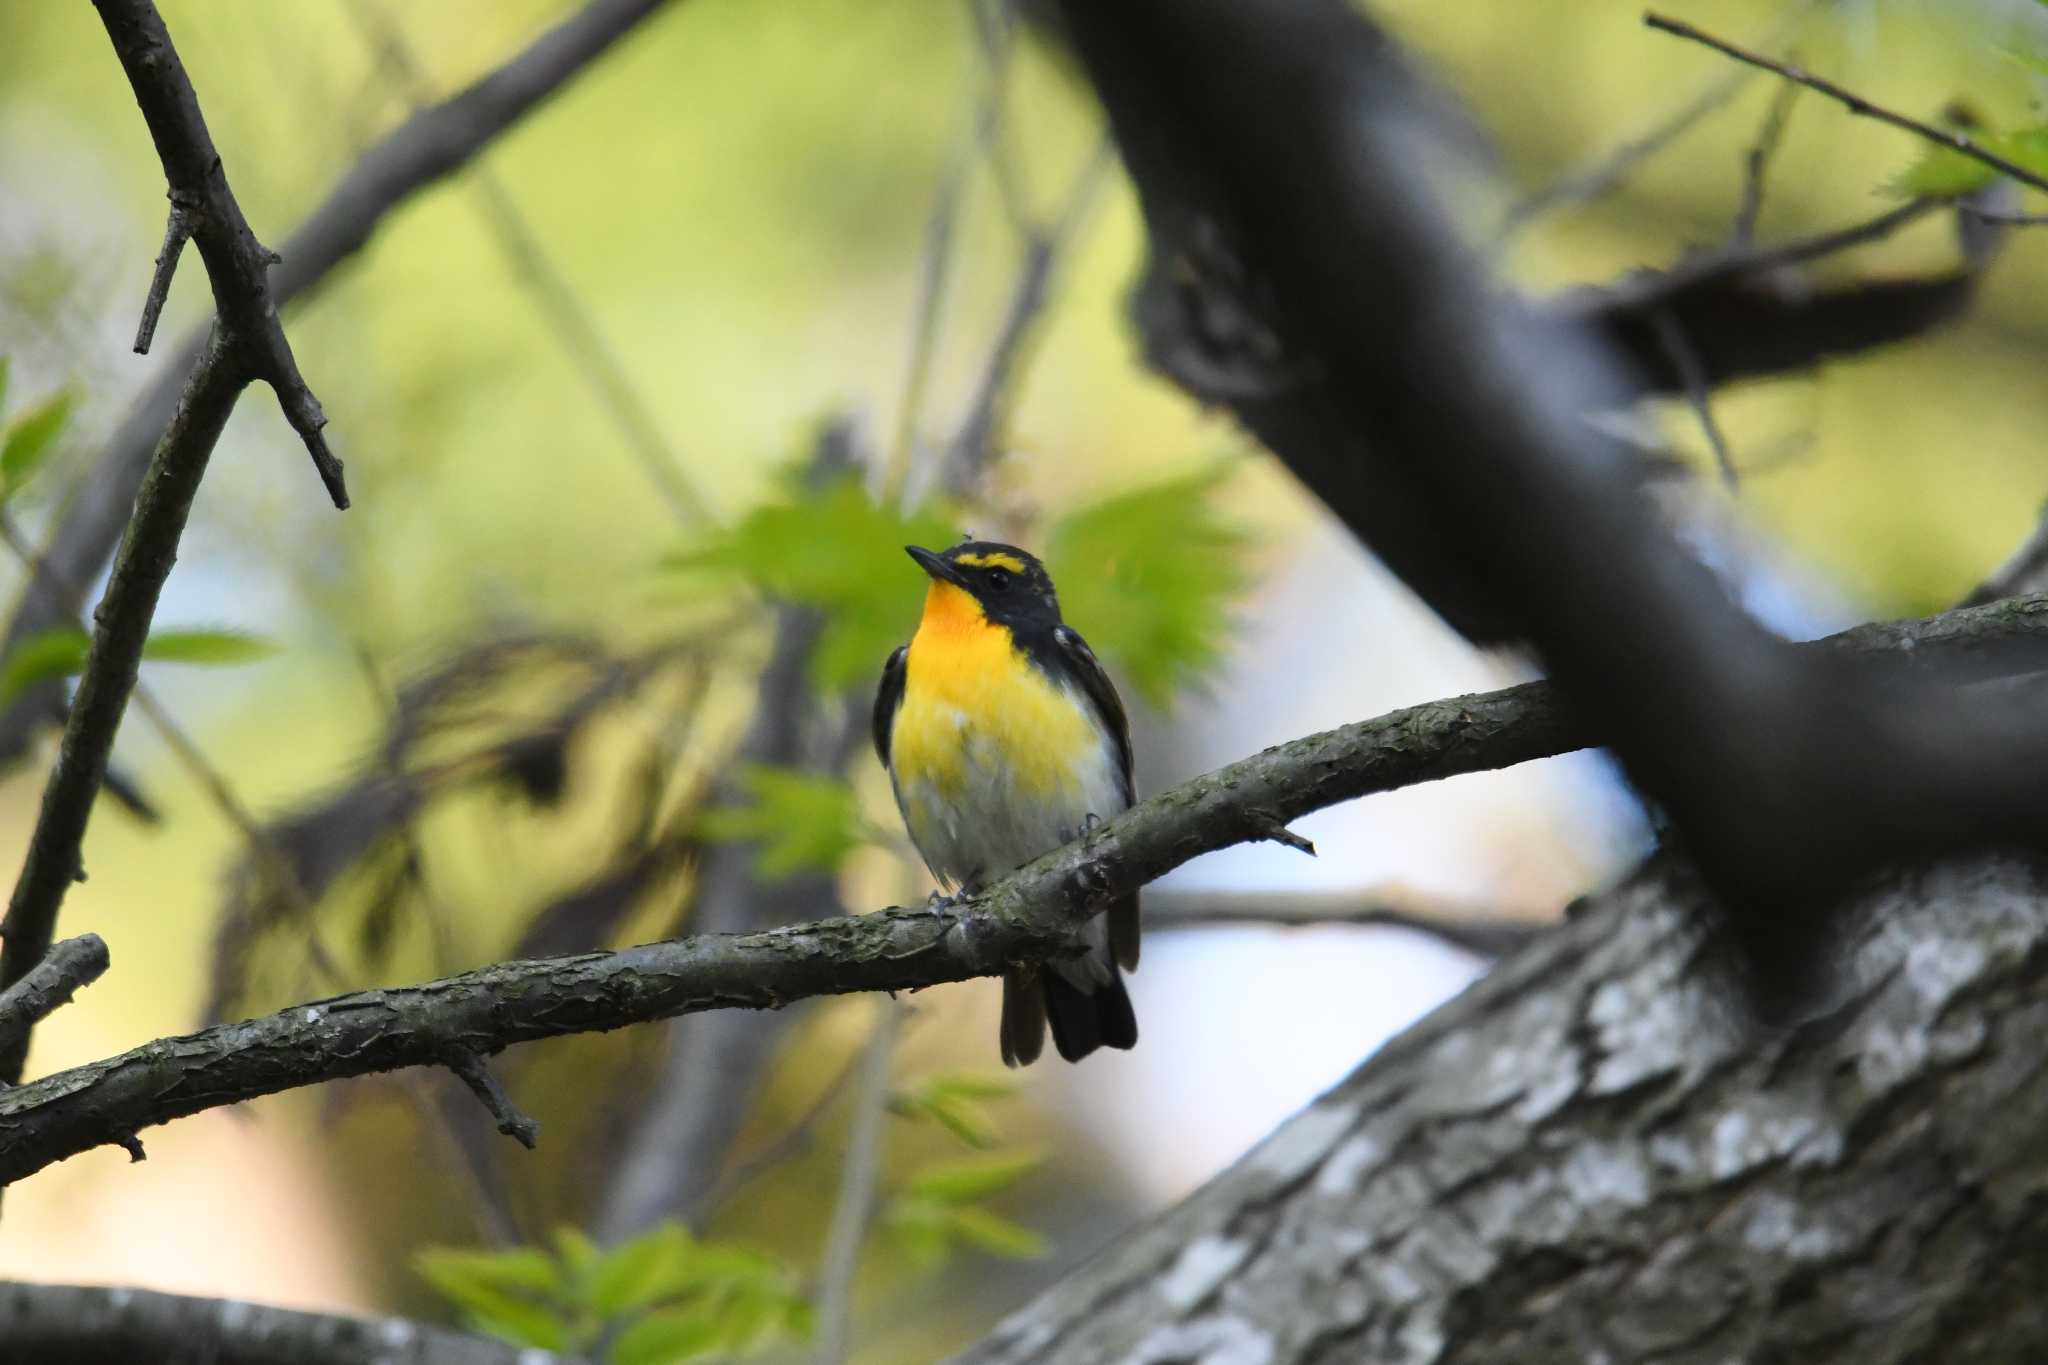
column 1589, row 1157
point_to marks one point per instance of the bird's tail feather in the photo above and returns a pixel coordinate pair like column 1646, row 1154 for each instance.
column 1085, row 1020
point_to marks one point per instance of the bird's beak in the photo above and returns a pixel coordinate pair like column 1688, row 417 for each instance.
column 936, row 565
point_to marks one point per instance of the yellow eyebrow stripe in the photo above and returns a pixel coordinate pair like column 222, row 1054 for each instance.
column 995, row 561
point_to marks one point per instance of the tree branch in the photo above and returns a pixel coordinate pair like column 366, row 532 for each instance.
column 1275, row 149
column 90, row 1325
column 433, row 144
column 1033, row 914
column 1484, row 935
column 121, row 626
column 204, row 208
column 71, row 965
column 1850, row 100
column 1583, row 1157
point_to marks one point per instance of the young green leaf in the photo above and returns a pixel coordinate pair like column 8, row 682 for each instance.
column 665, row 1337
column 977, row 1085
column 921, row 1231
column 802, row 821
column 972, row 1178
column 1939, row 173
column 54, row 653
column 833, row 548
column 519, row 1269
column 579, row 1255
column 30, row 441
column 997, row 1235
column 642, row 1272
column 963, row 1118
column 217, row 647
column 524, row 1324
column 1148, row 577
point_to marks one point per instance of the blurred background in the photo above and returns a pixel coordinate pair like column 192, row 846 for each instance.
column 709, row 334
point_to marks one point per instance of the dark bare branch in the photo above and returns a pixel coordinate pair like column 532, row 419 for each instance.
column 1480, row 933
column 1033, row 914
column 177, row 232
column 1850, row 100
column 472, row 1071
column 431, row 145
column 205, row 209
column 1274, row 148
column 71, row 965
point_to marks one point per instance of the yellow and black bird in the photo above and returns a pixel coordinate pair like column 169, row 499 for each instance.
column 1004, row 738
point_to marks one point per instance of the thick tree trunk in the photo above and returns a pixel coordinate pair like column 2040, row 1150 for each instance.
column 1590, row 1156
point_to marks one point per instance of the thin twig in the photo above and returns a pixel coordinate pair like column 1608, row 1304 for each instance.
column 969, row 452
column 1592, row 180
column 1034, row 914
column 857, row 1184
column 206, row 775
column 981, row 136
column 2004, row 219
column 570, row 322
column 237, row 265
column 1850, row 100
column 1698, row 393
column 1479, row 933
column 71, row 965
column 246, row 344
column 1757, row 162
column 471, row 1070
column 791, row 1141
column 428, row 147
column 177, row 231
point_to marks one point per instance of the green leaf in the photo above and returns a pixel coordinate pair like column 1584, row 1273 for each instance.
column 1939, row 173
column 218, row 647
column 981, row 1085
column 3, row 383
column 997, row 1235
column 54, row 653
column 641, row 1272
column 520, row 1269
column 524, row 1324
column 672, row 1335
column 1944, row 173
column 802, row 821
column 30, row 441
column 835, row 549
column 579, row 1255
column 972, row 1178
column 922, row 1231
column 964, row 1119
column 1148, row 577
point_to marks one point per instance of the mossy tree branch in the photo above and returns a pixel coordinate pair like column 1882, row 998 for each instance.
column 1031, row 915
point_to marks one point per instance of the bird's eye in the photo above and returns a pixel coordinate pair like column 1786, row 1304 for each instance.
column 998, row 580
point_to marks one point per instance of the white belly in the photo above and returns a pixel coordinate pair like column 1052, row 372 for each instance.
column 982, row 826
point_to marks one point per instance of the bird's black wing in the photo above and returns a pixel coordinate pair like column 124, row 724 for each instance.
column 888, row 698
column 1080, row 663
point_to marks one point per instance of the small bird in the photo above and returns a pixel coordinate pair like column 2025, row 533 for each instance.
column 1004, row 739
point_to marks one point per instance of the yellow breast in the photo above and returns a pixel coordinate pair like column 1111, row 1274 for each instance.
column 972, row 701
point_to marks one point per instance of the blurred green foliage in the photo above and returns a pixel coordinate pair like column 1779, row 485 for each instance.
column 957, row 1101
column 836, row 549
column 664, row 1296
column 805, row 821
column 940, row 1210
column 1148, row 576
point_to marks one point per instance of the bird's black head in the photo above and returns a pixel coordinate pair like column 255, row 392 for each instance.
column 1010, row 585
